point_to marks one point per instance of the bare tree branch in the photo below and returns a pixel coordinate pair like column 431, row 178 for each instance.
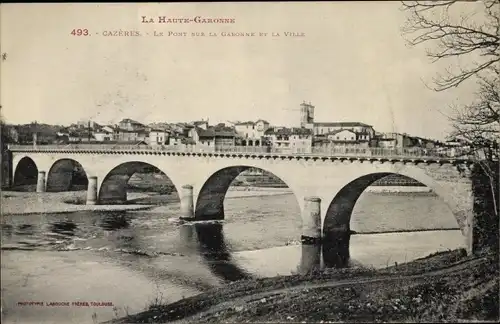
column 473, row 37
column 430, row 22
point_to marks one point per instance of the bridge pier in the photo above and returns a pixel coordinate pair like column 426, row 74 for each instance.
column 187, row 204
column 336, row 246
column 310, row 259
column 92, row 191
column 311, row 221
column 40, row 184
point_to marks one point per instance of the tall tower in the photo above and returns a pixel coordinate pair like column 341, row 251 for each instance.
column 306, row 114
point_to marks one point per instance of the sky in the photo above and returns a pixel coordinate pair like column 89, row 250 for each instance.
column 352, row 64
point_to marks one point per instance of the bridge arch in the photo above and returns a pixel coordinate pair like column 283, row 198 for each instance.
column 114, row 186
column 336, row 224
column 210, row 199
column 66, row 175
column 25, row 174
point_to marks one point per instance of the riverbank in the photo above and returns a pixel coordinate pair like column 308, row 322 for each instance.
column 445, row 286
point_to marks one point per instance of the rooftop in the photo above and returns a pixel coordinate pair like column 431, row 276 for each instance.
column 131, row 121
column 342, row 124
column 215, row 132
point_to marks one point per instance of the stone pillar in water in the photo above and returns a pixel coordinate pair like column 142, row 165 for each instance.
column 92, row 191
column 40, row 184
column 311, row 221
column 187, row 205
column 310, row 259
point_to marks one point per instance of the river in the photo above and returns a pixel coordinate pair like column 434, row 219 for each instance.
column 133, row 258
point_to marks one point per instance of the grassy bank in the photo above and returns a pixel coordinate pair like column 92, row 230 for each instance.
column 445, row 286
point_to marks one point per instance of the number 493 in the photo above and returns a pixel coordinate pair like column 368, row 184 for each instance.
column 80, row 32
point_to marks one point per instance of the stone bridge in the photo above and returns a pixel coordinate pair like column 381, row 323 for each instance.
column 326, row 187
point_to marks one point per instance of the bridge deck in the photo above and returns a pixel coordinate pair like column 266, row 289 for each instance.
column 407, row 154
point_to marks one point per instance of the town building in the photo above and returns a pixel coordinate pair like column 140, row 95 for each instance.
column 124, row 135
column 251, row 133
column 395, row 140
column 178, row 139
column 129, row 130
column 130, row 124
column 290, row 140
column 203, row 124
column 89, row 124
column 213, row 136
column 345, row 131
column 104, row 134
column 158, row 137
column 342, row 137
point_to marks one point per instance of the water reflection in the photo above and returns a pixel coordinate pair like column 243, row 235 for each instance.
column 114, row 221
column 129, row 231
column 118, row 230
column 336, row 249
column 25, row 229
column 63, row 227
column 208, row 240
column 246, row 230
column 7, row 230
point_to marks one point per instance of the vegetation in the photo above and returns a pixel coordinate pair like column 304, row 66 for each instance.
column 473, row 38
column 444, row 286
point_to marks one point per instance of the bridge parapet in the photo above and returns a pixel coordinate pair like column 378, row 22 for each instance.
column 407, row 154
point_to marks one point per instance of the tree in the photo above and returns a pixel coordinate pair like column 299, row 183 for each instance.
column 472, row 40
column 475, row 40
column 474, row 37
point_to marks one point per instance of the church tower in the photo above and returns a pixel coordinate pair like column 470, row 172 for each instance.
column 306, row 115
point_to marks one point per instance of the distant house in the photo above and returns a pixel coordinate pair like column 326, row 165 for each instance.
column 203, row 124
column 130, row 125
column 213, row 136
column 178, row 128
column 251, row 133
column 129, row 130
column 388, row 143
column 108, row 128
column 290, row 140
column 396, row 140
column 362, row 131
column 126, row 135
column 342, row 137
column 158, row 136
column 104, row 134
column 178, row 139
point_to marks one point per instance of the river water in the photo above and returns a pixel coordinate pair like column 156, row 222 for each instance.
column 131, row 258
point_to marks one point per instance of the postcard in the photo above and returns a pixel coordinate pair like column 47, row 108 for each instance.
column 249, row 162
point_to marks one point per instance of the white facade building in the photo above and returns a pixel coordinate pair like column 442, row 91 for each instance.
column 158, row 137
column 252, row 133
column 290, row 140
